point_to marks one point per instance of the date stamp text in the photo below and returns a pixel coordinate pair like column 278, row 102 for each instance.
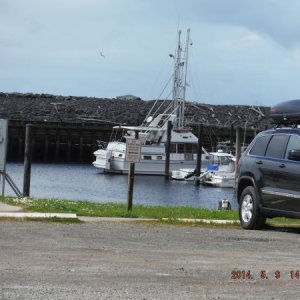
column 264, row 274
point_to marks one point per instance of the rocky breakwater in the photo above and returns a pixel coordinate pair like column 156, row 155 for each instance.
column 50, row 108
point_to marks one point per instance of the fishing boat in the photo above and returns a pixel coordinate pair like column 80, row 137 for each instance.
column 218, row 172
column 152, row 132
column 219, row 179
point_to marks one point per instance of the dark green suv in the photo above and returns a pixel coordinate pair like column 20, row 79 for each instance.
column 269, row 176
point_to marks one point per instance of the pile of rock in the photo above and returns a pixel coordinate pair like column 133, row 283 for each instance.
column 51, row 108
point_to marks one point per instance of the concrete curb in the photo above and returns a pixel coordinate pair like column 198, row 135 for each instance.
column 106, row 219
column 219, row 222
column 37, row 215
column 113, row 219
column 10, row 211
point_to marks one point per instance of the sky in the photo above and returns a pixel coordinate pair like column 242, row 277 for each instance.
column 244, row 51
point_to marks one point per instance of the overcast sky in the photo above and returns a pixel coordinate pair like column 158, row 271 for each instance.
column 243, row 52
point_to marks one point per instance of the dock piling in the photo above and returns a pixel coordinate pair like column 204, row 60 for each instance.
column 27, row 160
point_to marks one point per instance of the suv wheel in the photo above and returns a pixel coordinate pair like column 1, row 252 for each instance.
column 250, row 215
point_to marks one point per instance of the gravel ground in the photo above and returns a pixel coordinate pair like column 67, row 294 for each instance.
column 106, row 260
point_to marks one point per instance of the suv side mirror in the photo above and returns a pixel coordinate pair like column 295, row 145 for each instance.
column 294, row 154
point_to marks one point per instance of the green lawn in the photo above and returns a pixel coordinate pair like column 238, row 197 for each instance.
column 85, row 208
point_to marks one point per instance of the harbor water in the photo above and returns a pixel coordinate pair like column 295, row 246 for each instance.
column 85, row 182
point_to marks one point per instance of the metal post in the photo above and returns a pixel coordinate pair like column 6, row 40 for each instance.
column 168, row 150
column 199, row 154
column 131, row 180
column 130, row 185
column 27, row 160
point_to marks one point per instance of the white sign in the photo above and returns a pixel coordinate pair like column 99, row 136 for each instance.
column 3, row 143
column 133, row 151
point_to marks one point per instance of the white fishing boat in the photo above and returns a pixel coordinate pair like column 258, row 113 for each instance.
column 219, row 179
column 220, row 171
column 153, row 131
column 220, row 163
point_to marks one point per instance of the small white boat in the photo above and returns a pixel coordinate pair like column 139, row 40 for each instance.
column 221, row 162
column 183, row 174
column 219, row 179
column 219, row 171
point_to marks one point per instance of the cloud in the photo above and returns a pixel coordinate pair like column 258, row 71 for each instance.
column 274, row 18
column 243, row 50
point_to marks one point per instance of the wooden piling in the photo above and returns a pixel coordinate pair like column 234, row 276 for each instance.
column 131, row 180
column 27, row 160
column 237, row 147
column 69, row 149
column 168, row 149
column 20, row 148
column 46, row 146
column 199, row 154
column 80, row 146
column 130, row 186
column 231, row 139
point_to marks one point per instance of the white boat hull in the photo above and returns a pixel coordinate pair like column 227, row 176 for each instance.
column 216, row 179
column 144, row 167
column 183, row 174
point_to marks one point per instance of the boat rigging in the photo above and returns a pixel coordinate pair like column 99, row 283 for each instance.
column 153, row 131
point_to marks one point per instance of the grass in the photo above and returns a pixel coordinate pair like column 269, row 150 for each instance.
column 172, row 213
column 85, row 208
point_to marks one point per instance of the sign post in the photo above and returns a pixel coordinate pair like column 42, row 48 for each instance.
column 133, row 155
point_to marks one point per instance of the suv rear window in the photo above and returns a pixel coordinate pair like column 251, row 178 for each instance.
column 259, row 148
column 277, row 145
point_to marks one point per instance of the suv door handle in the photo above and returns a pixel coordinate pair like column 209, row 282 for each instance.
column 259, row 162
column 282, row 166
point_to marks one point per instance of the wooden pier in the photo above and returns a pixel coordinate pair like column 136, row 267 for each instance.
column 58, row 142
column 66, row 129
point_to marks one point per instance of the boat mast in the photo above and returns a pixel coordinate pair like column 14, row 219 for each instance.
column 180, row 79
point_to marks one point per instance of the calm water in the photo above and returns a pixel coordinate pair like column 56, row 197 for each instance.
column 85, row 182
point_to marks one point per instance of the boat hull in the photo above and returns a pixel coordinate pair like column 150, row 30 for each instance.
column 145, row 167
column 219, row 180
column 114, row 162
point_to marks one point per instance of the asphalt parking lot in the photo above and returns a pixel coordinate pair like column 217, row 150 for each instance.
column 116, row 260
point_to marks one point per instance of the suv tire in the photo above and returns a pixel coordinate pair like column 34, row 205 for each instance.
column 249, row 213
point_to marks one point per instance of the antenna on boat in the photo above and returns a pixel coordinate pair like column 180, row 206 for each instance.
column 180, row 79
